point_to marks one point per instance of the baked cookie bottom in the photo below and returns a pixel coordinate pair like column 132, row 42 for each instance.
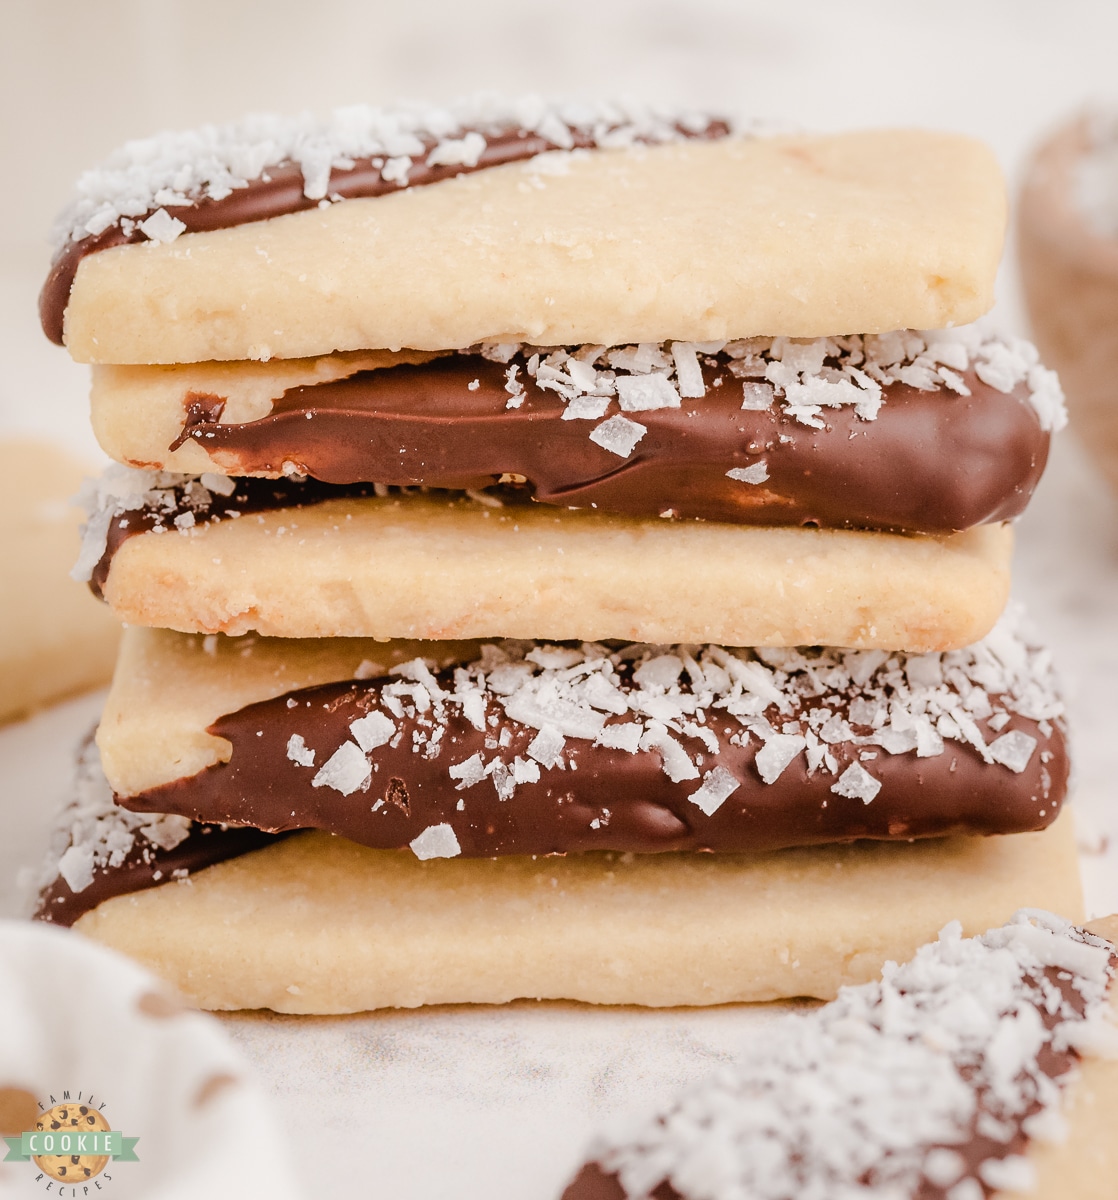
column 316, row 924
column 428, row 567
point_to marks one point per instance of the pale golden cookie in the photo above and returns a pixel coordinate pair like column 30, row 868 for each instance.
column 426, row 567
column 316, row 924
column 802, row 236
column 55, row 639
column 137, row 412
column 168, row 687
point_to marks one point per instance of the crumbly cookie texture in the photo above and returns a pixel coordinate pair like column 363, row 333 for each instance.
column 429, row 567
column 180, row 168
column 798, row 705
column 54, row 640
column 138, row 412
column 316, row 924
column 919, row 1084
column 700, row 240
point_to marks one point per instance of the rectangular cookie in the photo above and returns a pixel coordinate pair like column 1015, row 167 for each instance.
column 702, row 238
column 434, row 567
column 316, row 924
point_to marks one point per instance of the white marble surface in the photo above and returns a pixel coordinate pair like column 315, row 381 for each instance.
column 499, row 1102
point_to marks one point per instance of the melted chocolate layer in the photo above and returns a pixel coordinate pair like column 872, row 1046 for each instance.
column 603, row 799
column 931, row 462
column 148, row 866
column 280, row 190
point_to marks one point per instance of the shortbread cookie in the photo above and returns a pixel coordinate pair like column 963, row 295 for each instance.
column 53, row 640
column 953, row 1078
column 220, row 176
column 696, row 239
column 442, row 567
column 926, row 433
column 318, row 924
column 542, row 749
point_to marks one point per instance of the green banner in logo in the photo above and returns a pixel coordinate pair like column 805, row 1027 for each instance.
column 98, row 1142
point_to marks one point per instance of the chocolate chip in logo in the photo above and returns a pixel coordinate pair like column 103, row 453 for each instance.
column 397, row 794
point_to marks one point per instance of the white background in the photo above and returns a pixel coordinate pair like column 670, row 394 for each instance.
column 498, row 1102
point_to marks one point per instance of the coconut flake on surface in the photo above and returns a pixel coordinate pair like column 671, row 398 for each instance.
column 299, row 752
column 856, row 783
column 868, row 1095
column 436, row 841
column 346, row 770
column 372, row 731
column 177, row 169
column 718, row 786
column 618, row 435
column 94, row 834
column 804, row 377
column 757, row 473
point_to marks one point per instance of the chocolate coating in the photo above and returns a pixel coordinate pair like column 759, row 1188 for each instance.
column 604, row 799
column 280, row 190
column 930, row 462
column 594, row 1182
column 205, row 845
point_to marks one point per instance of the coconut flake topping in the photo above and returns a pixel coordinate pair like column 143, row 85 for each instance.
column 883, row 1091
column 94, row 834
column 682, row 703
column 804, row 377
column 176, row 169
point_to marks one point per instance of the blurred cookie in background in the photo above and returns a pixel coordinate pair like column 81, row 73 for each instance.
column 1068, row 244
column 55, row 638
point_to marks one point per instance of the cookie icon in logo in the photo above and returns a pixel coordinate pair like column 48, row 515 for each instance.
column 72, row 1118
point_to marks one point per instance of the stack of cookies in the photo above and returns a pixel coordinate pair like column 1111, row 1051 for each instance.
column 554, row 563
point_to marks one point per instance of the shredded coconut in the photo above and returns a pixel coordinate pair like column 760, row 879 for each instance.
column 177, row 169
column 828, row 712
column 618, row 435
column 757, row 473
column 94, row 834
column 806, row 377
column 867, row 1096
column 345, row 770
column 436, row 841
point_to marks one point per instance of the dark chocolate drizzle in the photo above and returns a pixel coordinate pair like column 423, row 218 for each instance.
column 930, row 462
column 604, row 799
column 146, row 866
column 594, row 1182
column 280, row 190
